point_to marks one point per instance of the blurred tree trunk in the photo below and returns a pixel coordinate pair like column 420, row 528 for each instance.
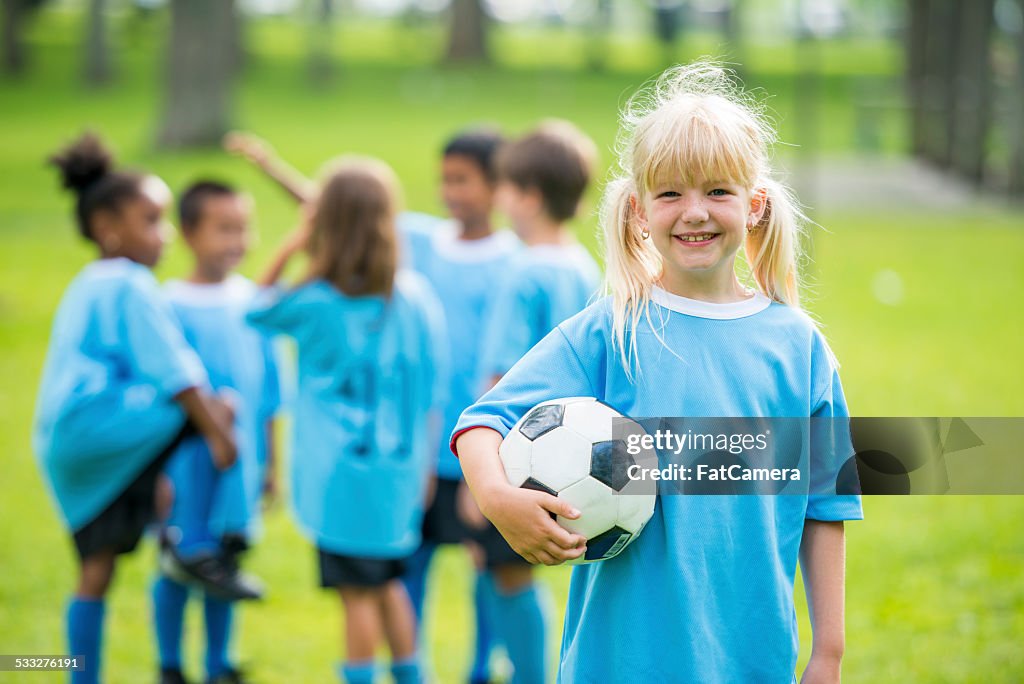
column 973, row 88
column 14, row 48
column 916, row 41
column 321, row 63
column 946, row 50
column 467, row 41
column 732, row 32
column 200, row 70
column 239, row 55
column 1017, row 123
column 97, row 52
column 668, row 24
column 598, row 29
column 807, row 94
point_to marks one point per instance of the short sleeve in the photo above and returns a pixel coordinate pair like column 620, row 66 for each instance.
column 416, row 231
column 508, row 330
column 156, row 344
column 275, row 310
column 832, row 460
column 551, row 370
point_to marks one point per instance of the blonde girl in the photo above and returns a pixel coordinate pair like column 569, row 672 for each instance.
column 705, row 593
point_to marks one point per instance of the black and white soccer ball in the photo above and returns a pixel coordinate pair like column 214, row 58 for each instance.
column 576, row 449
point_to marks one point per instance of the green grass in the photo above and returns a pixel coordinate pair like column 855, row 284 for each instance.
column 935, row 585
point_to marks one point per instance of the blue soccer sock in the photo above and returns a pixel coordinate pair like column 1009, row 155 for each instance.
column 483, row 601
column 169, row 600
column 358, row 672
column 219, row 616
column 407, row 671
column 85, row 637
column 523, row 631
column 193, row 506
column 415, row 579
column 195, row 542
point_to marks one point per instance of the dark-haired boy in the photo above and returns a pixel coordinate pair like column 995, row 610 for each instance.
column 542, row 177
column 215, row 513
column 461, row 257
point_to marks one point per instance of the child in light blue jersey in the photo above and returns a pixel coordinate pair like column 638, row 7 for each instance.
column 542, row 178
column 461, row 258
column 121, row 388
column 371, row 364
column 215, row 514
column 705, row 593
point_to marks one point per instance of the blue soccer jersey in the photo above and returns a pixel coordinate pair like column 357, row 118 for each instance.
column 543, row 286
column 462, row 273
column 106, row 407
column 705, row 593
column 241, row 362
column 369, row 370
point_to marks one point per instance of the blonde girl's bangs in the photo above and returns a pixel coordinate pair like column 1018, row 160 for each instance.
column 695, row 140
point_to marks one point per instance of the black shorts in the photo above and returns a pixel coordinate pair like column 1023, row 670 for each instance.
column 497, row 552
column 121, row 524
column 441, row 522
column 354, row 571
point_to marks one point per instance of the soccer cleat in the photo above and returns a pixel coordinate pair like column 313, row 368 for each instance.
column 231, row 676
column 216, row 573
column 172, row 676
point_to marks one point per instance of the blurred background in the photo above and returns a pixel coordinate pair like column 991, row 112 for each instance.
column 902, row 124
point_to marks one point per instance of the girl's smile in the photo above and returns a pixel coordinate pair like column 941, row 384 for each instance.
column 694, row 240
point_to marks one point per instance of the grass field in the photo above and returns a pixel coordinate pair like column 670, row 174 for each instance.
column 935, row 589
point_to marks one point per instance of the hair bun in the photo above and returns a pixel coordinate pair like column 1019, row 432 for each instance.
column 83, row 162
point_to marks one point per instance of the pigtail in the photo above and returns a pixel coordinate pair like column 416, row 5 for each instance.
column 632, row 266
column 772, row 246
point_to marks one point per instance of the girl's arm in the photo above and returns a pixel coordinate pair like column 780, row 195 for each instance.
column 523, row 516
column 823, row 566
column 263, row 156
column 214, row 418
column 293, row 242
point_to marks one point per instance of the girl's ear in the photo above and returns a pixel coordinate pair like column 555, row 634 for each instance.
column 638, row 208
column 104, row 228
column 758, row 205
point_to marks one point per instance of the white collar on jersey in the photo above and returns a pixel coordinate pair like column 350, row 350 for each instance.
column 447, row 244
column 235, row 288
column 700, row 309
column 106, row 268
column 557, row 252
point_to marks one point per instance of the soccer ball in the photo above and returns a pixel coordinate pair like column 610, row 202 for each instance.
column 567, row 448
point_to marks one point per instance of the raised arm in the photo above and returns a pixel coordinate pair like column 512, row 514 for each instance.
column 293, row 242
column 262, row 155
column 823, row 566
